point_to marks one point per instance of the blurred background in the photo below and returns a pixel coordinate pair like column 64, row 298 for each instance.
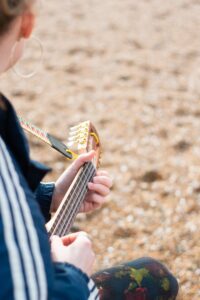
column 132, row 68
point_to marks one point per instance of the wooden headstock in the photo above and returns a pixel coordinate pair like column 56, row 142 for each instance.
column 84, row 138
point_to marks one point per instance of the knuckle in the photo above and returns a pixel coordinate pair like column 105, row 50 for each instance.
column 108, row 191
column 86, row 241
column 82, row 233
column 110, row 182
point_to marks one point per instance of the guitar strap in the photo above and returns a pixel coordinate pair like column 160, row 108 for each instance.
column 47, row 138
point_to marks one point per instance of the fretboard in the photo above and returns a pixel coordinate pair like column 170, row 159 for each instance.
column 71, row 203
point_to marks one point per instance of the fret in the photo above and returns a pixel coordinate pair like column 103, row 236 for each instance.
column 66, row 226
column 71, row 205
column 67, row 211
column 34, row 130
column 47, row 138
column 72, row 195
column 72, row 198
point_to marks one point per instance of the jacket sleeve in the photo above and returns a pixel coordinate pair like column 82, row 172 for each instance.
column 72, row 284
column 24, row 248
column 43, row 196
column 21, row 260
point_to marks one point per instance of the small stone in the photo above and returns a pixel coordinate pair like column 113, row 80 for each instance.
column 182, row 146
column 151, row 176
column 123, row 232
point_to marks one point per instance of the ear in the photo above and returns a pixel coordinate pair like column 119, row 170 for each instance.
column 27, row 24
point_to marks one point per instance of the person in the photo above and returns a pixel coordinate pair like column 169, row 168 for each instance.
column 32, row 267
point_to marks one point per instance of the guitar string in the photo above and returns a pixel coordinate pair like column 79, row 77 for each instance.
column 60, row 227
column 68, row 204
column 66, row 225
column 34, row 129
column 74, row 204
column 65, row 205
column 71, row 194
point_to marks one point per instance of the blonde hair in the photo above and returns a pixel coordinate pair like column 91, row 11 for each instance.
column 9, row 10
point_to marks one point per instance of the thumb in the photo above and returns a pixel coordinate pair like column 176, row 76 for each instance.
column 83, row 240
column 85, row 157
column 56, row 249
column 56, row 243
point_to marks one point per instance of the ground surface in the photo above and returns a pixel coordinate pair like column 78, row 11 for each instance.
column 133, row 68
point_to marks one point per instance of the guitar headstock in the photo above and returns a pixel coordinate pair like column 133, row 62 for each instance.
column 84, row 138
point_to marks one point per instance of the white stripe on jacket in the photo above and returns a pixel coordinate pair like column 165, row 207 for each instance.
column 13, row 195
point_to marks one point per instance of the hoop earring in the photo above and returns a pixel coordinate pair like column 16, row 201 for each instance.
column 17, row 70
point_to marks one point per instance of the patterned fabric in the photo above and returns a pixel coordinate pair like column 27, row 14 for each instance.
column 142, row 279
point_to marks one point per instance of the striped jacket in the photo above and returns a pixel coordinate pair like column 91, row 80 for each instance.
column 26, row 269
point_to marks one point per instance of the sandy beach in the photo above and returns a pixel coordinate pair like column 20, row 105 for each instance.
column 133, row 69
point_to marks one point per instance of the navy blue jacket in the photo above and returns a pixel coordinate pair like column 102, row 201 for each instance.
column 26, row 268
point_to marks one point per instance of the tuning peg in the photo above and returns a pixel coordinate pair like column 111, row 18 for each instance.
column 75, row 127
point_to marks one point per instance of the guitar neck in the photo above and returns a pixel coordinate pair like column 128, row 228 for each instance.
column 70, row 205
column 47, row 138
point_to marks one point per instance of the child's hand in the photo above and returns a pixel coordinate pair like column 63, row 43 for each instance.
column 75, row 249
column 98, row 189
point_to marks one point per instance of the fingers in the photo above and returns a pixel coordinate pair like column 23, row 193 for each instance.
column 104, row 180
column 64, row 181
column 95, row 200
column 101, row 184
column 92, row 202
column 70, row 238
column 84, row 244
column 82, row 159
column 55, row 241
column 83, row 238
column 99, row 188
column 79, row 253
column 56, row 245
column 102, row 172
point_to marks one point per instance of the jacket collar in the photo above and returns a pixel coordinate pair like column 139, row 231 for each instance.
column 14, row 138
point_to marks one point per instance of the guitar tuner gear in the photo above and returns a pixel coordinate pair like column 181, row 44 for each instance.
column 73, row 154
column 95, row 136
column 78, row 139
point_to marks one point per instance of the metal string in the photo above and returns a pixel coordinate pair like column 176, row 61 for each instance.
column 66, row 226
column 65, row 209
column 69, row 215
column 65, row 205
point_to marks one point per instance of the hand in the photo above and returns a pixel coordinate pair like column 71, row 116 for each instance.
column 76, row 249
column 97, row 191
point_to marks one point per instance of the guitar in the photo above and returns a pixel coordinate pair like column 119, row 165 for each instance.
column 83, row 138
